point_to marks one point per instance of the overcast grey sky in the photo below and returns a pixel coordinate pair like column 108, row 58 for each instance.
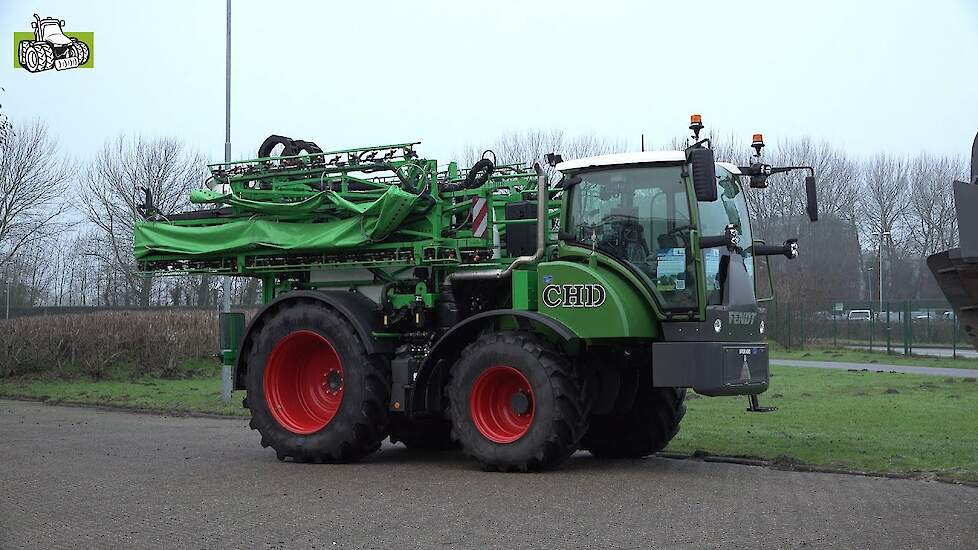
column 866, row 75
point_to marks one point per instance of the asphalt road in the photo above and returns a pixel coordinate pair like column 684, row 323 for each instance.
column 84, row 478
column 877, row 367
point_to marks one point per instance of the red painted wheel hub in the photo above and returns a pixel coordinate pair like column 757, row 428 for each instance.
column 502, row 404
column 304, row 382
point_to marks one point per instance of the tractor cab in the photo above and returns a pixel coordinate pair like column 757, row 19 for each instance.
column 669, row 234
column 50, row 30
column 636, row 208
column 682, row 227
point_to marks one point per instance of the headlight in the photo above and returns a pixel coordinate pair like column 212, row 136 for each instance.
column 717, row 325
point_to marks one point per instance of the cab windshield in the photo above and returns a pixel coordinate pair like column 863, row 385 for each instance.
column 49, row 29
column 730, row 208
column 641, row 217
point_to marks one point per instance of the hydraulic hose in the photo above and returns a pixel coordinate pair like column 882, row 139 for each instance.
column 477, row 177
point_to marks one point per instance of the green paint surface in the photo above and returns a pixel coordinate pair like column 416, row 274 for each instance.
column 87, row 37
column 524, row 289
column 623, row 314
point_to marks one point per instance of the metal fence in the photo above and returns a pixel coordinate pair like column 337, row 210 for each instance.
column 929, row 326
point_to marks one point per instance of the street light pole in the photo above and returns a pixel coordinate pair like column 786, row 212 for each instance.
column 6, row 283
column 879, row 253
column 226, row 283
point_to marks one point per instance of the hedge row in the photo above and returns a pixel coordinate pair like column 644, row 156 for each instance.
column 145, row 342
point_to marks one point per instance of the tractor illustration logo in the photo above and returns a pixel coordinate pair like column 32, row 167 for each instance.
column 51, row 48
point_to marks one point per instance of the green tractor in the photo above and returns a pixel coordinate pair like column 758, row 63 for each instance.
column 51, row 48
column 485, row 307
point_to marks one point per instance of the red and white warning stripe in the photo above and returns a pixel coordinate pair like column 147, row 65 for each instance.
column 480, row 216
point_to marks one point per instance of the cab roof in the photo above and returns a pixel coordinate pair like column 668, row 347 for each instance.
column 618, row 159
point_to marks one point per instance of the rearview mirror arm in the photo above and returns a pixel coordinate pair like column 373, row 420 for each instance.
column 760, row 169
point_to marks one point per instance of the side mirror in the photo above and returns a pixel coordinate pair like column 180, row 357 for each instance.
column 763, row 276
column 704, row 174
column 568, row 182
column 812, row 205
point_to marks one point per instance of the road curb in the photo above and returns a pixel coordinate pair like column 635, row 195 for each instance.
column 120, row 408
column 792, row 465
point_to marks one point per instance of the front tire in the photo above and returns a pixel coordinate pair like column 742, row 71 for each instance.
column 516, row 403
column 643, row 428
column 45, row 57
column 80, row 50
column 314, row 393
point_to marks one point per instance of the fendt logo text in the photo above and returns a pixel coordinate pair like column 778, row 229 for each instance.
column 577, row 295
column 741, row 317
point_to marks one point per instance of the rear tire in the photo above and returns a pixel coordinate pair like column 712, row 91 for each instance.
column 314, row 393
column 644, row 428
column 22, row 49
column 516, row 403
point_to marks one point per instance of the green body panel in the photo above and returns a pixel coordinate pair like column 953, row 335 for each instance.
column 593, row 301
column 525, row 289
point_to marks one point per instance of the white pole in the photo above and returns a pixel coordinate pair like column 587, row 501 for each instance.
column 226, row 283
column 879, row 253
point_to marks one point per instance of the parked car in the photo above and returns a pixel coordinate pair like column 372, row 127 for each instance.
column 860, row 315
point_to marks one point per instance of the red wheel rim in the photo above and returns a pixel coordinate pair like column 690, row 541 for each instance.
column 502, row 404
column 304, row 382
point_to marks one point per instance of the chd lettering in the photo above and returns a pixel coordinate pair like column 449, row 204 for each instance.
column 577, row 295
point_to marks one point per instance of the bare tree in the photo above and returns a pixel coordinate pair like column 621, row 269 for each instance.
column 33, row 177
column 931, row 220
column 531, row 146
column 111, row 193
column 930, row 215
column 883, row 200
column 6, row 128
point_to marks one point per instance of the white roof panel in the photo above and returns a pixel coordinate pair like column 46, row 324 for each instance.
column 623, row 158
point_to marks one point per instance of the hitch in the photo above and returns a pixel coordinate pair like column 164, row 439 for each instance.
column 754, row 405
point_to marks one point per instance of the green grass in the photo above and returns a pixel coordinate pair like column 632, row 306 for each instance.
column 879, row 422
column 196, row 388
column 846, row 355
